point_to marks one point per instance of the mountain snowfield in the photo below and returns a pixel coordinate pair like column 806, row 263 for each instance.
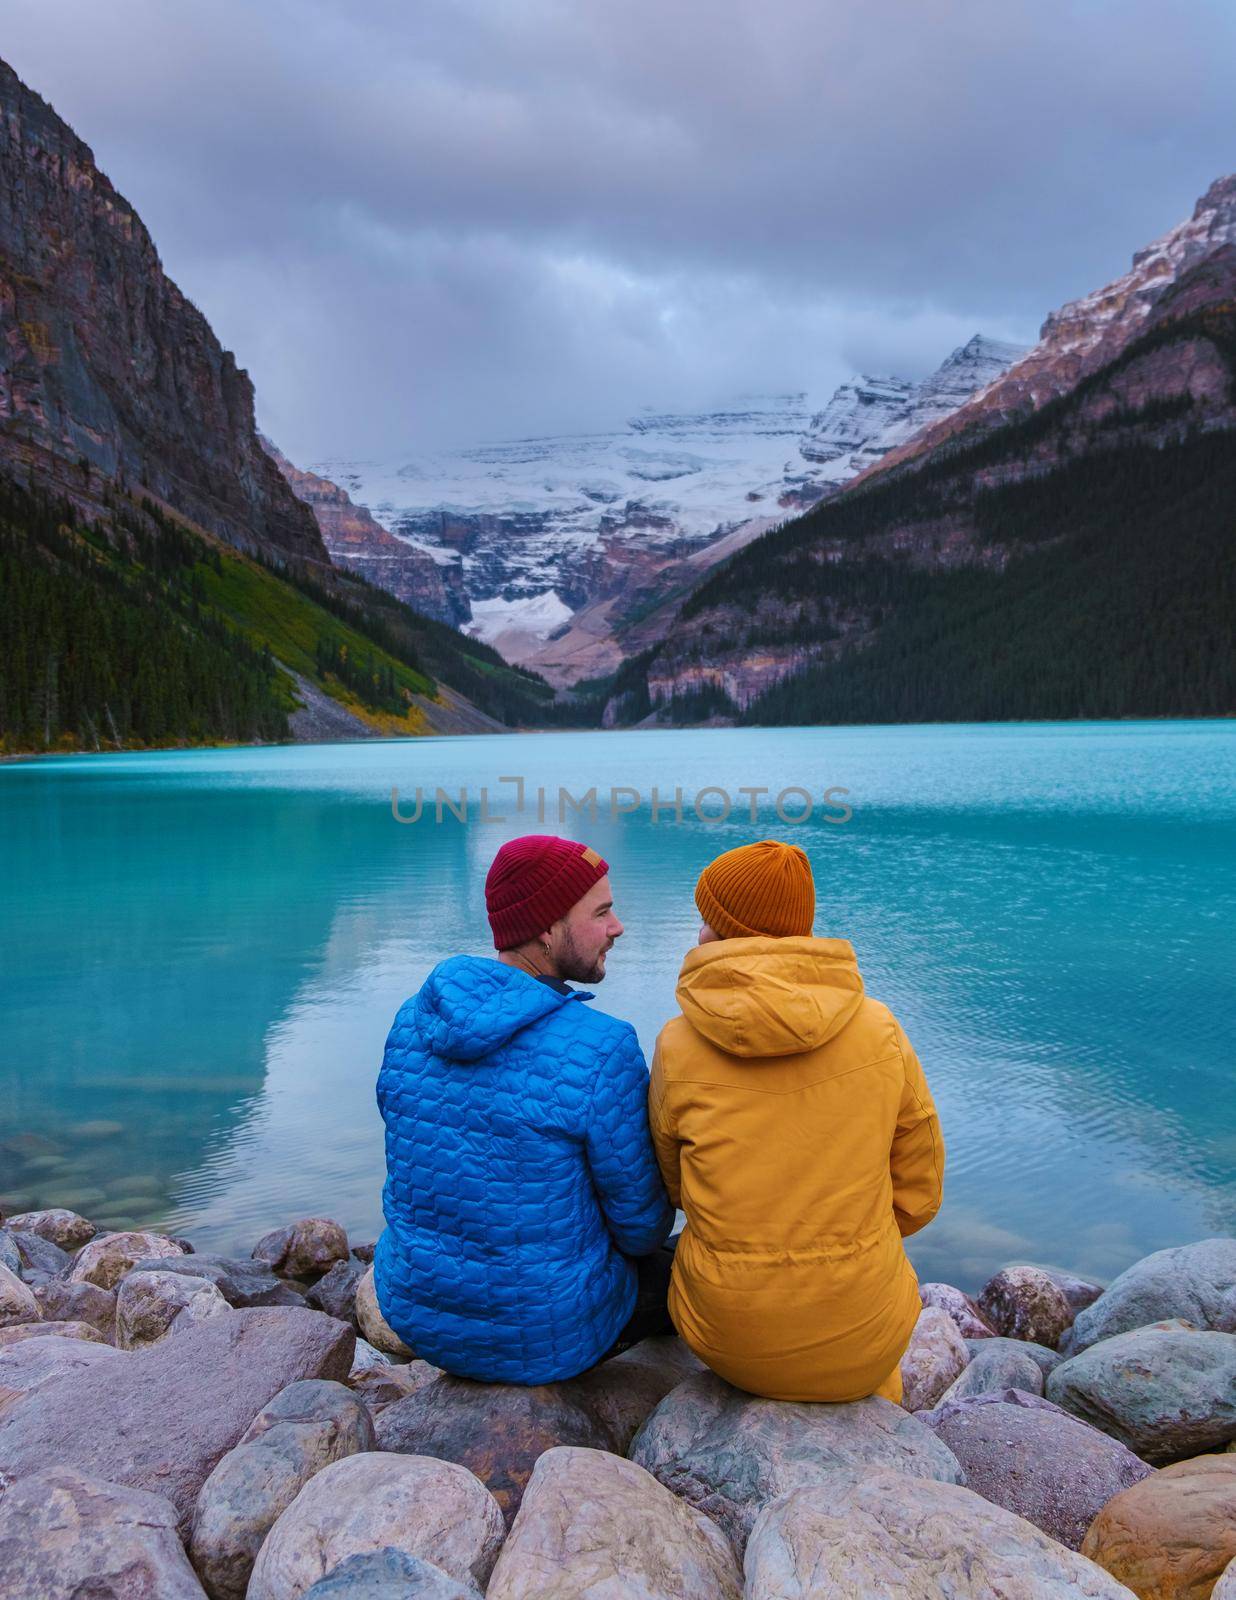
column 539, row 529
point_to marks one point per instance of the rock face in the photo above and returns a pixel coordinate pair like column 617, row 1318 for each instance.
column 997, row 1364
column 304, row 1249
column 106, row 1259
column 150, row 1305
column 159, row 1419
column 61, row 1227
column 17, row 1302
column 593, row 1524
column 1165, row 1393
column 1037, row 1461
column 65, row 1536
column 936, row 1358
column 1193, row 1281
column 49, row 1362
column 431, row 1509
column 303, row 1429
column 388, row 1575
column 970, row 1321
column 1172, row 1534
column 729, row 1454
column 1024, row 1303
column 106, row 359
column 879, row 1534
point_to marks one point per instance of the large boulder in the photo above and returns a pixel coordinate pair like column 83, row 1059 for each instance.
column 65, row 1536
column 20, row 1331
column 970, row 1321
column 150, row 1305
column 1024, row 1303
column 37, row 1254
column 373, row 1325
column 159, row 1419
column 1196, row 1282
column 1077, row 1289
column 335, row 1291
column 1165, row 1393
column 880, row 1534
column 78, row 1302
column 62, row 1227
column 728, row 1453
column 106, row 1259
column 303, row 1429
column 1171, row 1535
column 997, row 1364
column 432, row 1509
column 935, row 1358
column 17, row 1302
column 304, row 1249
column 242, row 1282
column 621, row 1392
column 594, row 1524
column 1030, row 1457
column 388, row 1574
column 45, row 1363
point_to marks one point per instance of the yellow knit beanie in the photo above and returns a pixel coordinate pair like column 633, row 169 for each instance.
column 763, row 888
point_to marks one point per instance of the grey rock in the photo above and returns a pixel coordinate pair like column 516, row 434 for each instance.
column 432, row 1509
column 935, row 1358
column 303, row 1429
column 62, row 1227
column 40, row 1255
column 49, row 1362
column 1042, row 1357
column 388, row 1575
column 1193, row 1281
column 10, row 1255
column 1038, row 1461
column 592, row 1523
column 999, row 1364
column 79, row 1302
column 335, row 1292
column 17, row 1302
column 160, row 1418
column 970, row 1321
column 106, row 1259
column 303, row 1249
column 151, row 1305
column 879, row 1534
column 728, row 1453
column 1024, row 1303
column 241, row 1281
column 1166, row 1394
column 66, row 1536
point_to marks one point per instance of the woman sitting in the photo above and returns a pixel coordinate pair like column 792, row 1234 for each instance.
column 794, row 1127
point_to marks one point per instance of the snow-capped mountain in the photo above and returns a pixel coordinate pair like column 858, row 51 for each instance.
column 534, row 532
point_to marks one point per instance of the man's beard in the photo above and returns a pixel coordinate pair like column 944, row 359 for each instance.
column 572, row 964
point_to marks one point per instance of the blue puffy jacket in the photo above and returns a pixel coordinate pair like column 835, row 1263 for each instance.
column 520, row 1175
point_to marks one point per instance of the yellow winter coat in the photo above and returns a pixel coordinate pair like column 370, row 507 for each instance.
column 795, row 1128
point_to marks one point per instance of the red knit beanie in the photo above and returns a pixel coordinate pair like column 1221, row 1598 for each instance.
column 535, row 880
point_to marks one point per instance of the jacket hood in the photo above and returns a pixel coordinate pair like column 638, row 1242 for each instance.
column 470, row 1005
column 766, row 996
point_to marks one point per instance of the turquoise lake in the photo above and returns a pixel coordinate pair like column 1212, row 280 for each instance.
column 201, row 953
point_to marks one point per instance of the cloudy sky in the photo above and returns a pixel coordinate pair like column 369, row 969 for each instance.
column 420, row 222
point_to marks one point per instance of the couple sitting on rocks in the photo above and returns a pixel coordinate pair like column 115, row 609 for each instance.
column 533, row 1167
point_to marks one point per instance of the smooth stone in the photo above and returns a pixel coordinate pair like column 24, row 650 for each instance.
column 151, row 1305
column 1024, row 1303
column 728, row 1453
column 160, row 1418
column 79, row 1302
column 1193, row 1281
column 17, row 1302
column 66, row 1536
column 58, row 1225
column 373, row 1325
column 1037, row 1461
column 133, row 1205
column 935, row 1358
column 145, row 1183
column 50, row 1330
column 96, row 1128
column 10, row 1254
column 868, row 1536
column 432, row 1509
column 623, row 1391
column 971, row 1323
column 388, row 1575
column 106, row 1259
column 40, row 1255
column 32, row 1364
column 382, row 1386
column 1174, row 1533
column 303, row 1249
column 303, row 1429
column 1044, row 1359
column 1078, row 1290
column 1004, row 1365
column 79, row 1201
column 592, row 1523
column 1164, row 1394
column 241, row 1281
column 335, row 1291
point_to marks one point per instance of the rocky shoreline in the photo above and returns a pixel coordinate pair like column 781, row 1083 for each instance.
column 174, row 1424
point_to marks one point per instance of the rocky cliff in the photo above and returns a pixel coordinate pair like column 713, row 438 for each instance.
column 104, row 362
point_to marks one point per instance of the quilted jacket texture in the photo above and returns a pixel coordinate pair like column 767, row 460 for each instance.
column 520, row 1175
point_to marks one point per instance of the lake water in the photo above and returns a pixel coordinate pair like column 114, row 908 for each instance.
column 201, row 952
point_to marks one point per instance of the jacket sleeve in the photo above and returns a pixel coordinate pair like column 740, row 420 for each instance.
column 620, row 1154
column 917, row 1158
column 664, row 1140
